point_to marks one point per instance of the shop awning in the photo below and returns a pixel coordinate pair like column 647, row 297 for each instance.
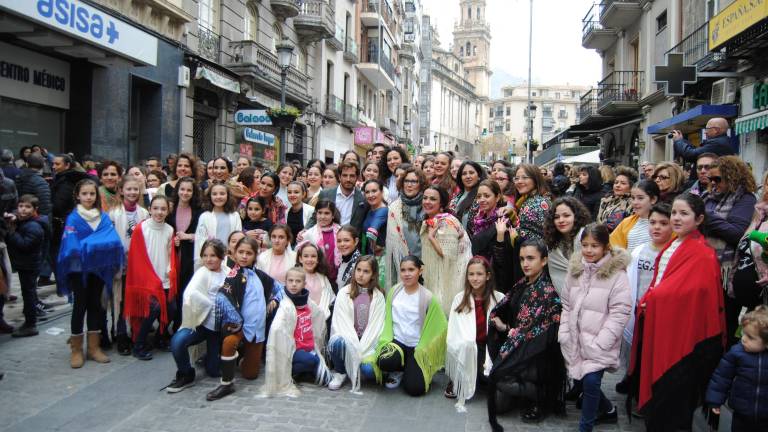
column 218, row 79
column 592, row 157
column 693, row 119
column 752, row 122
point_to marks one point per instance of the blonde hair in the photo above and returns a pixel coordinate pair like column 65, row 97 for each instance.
column 299, row 271
column 759, row 319
column 676, row 174
column 607, row 174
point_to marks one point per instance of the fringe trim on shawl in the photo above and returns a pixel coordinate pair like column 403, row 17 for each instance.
column 461, row 367
column 351, row 361
column 431, row 358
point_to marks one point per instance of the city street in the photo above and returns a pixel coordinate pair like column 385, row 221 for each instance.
column 42, row 393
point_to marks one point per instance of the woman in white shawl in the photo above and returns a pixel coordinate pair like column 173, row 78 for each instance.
column 278, row 259
column 287, row 355
column 403, row 224
column 446, row 248
column 358, row 319
column 467, row 334
column 219, row 221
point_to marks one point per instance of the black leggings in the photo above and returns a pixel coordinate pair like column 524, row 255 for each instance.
column 87, row 301
column 391, row 361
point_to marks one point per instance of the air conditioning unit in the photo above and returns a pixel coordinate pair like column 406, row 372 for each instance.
column 724, row 91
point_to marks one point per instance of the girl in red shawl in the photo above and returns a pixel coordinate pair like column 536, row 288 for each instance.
column 680, row 324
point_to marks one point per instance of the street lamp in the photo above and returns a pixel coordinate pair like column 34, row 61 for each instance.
column 437, row 145
column 284, row 56
column 531, row 116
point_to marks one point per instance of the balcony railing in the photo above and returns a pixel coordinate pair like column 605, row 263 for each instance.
column 384, row 62
column 588, row 106
column 249, row 53
column 350, row 115
column 695, row 50
column 620, row 86
column 562, row 115
column 386, row 13
column 450, row 74
column 350, row 50
column 209, row 43
column 315, row 20
column 334, row 107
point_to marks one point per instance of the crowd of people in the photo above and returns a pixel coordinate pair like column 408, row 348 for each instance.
column 526, row 282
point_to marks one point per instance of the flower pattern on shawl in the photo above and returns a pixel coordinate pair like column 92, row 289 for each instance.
column 538, row 307
column 613, row 209
column 530, row 217
column 473, row 210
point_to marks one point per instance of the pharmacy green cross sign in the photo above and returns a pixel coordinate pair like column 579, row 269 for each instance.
column 675, row 74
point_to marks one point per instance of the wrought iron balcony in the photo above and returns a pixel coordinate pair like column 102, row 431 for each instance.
column 374, row 57
column 334, row 107
column 208, row 43
column 593, row 34
column 350, row 50
column 695, row 50
column 371, row 14
column 315, row 20
column 619, row 93
column 350, row 116
column 252, row 60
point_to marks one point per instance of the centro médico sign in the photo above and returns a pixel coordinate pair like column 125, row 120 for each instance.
column 252, row 118
column 87, row 23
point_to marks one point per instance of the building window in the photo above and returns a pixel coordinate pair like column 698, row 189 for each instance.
column 301, row 59
column 557, row 95
column 208, row 13
column 533, row 94
column 469, row 49
column 474, row 50
column 509, row 109
column 661, row 21
column 490, row 114
column 507, row 126
column 277, row 36
column 469, row 13
column 251, row 31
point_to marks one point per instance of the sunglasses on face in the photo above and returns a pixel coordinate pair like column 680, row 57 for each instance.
column 715, row 179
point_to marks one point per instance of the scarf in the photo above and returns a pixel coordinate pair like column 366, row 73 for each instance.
column 109, row 198
column 613, row 209
column 352, row 259
column 85, row 250
column 92, row 216
column 412, row 212
column 483, row 221
column 277, row 210
column 358, row 350
column 142, row 284
column 669, row 365
column 721, row 205
column 430, row 351
column 281, row 346
column 461, row 352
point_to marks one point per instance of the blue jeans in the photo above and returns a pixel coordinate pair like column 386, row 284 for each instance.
column 304, row 362
column 185, row 338
column 594, row 401
column 337, row 350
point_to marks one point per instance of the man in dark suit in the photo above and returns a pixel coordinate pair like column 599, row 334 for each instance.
column 717, row 141
column 349, row 199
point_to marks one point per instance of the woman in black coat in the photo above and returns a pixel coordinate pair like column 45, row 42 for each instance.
column 589, row 190
column 184, row 217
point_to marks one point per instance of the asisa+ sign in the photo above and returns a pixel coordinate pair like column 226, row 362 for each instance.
column 252, row 118
column 84, row 22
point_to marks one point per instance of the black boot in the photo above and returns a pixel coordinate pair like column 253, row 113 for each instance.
column 227, row 386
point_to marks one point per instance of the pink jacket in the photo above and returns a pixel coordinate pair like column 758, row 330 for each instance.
column 596, row 307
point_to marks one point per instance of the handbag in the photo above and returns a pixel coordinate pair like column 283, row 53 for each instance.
column 745, row 288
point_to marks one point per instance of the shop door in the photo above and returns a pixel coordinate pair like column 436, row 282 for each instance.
column 204, row 137
column 144, row 124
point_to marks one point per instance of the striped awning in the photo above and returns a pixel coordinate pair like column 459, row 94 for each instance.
column 752, row 122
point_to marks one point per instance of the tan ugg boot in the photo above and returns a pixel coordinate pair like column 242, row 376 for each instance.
column 94, row 350
column 76, row 359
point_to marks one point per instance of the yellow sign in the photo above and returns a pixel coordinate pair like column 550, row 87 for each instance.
column 734, row 19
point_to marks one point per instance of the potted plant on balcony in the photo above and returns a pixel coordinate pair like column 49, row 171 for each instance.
column 283, row 118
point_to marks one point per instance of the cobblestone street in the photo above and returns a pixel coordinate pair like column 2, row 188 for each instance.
column 42, row 393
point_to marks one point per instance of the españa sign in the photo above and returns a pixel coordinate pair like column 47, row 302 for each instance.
column 734, row 19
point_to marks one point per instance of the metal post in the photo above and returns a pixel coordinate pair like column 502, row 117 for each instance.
column 528, row 155
column 283, row 134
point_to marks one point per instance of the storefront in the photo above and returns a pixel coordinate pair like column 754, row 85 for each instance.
column 257, row 139
column 752, row 126
column 81, row 79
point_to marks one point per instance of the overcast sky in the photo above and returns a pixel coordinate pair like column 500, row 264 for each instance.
column 558, row 57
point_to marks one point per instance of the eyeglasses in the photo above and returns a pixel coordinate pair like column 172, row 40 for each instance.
column 661, row 177
column 406, row 181
column 702, row 167
column 521, row 178
column 715, row 179
column 502, row 178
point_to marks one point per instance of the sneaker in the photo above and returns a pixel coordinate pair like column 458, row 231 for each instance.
column 337, row 380
column 44, row 281
column 40, row 310
column 608, row 417
column 140, row 353
column 181, row 382
column 393, row 380
column 219, row 392
column 25, row 330
column 44, row 305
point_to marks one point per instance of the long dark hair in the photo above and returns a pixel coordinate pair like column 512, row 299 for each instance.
column 322, row 264
column 595, row 182
column 416, row 261
column 697, row 206
column 480, row 174
column 330, row 205
column 354, row 288
column 384, row 172
column 581, row 218
column 86, row 182
column 252, row 243
column 445, row 199
column 229, row 207
column 194, row 202
column 467, row 301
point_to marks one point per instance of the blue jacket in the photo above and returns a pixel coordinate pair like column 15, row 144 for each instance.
column 26, row 245
column 719, row 145
column 741, row 377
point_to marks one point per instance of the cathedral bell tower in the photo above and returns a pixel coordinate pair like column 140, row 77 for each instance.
column 472, row 44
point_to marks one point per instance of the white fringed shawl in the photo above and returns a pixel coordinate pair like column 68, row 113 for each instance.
column 461, row 353
column 326, row 296
column 264, row 261
column 343, row 326
column 206, row 229
column 397, row 246
column 445, row 275
column 281, row 346
column 120, row 221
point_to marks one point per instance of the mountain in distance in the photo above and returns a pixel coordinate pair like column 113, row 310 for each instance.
column 501, row 78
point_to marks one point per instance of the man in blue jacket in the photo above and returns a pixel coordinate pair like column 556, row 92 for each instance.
column 717, row 141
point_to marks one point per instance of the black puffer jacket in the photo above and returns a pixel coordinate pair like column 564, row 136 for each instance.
column 742, row 378
column 32, row 183
column 62, row 192
column 27, row 244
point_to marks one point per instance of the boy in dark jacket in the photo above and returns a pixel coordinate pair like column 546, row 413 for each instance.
column 26, row 238
column 742, row 376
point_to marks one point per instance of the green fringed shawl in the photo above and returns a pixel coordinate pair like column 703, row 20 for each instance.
column 430, row 352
